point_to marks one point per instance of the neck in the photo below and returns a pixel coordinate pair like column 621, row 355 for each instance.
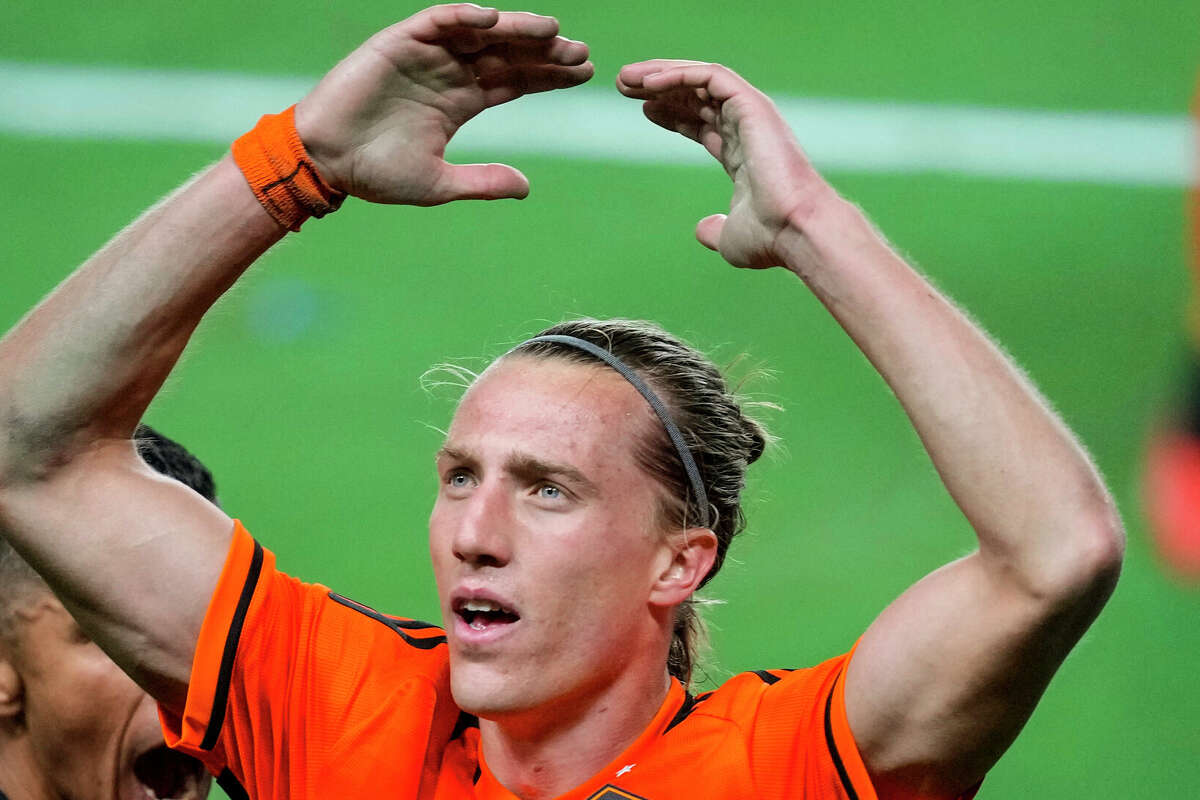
column 543, row 755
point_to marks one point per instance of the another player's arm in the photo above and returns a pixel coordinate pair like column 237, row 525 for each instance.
column 945, row 678
column 134, row 556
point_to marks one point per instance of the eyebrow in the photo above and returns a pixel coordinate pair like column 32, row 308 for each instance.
column 527, row 466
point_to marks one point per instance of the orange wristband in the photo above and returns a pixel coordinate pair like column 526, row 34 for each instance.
column 281, row 174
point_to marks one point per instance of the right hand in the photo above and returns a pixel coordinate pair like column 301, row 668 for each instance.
column 378, row 124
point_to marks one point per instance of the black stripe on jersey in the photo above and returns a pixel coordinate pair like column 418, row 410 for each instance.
column 611, row 792
column 216, row 717
column 408, row 624
column 833, row 751
column 232, row 786
column 397, row 625
column 465, row 722
column 689, row 705
column 769, row 677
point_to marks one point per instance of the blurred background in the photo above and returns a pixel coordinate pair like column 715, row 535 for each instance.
column 1031, row 157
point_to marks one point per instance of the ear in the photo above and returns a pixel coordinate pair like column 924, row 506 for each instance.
column 12, row 689
column 694, row 551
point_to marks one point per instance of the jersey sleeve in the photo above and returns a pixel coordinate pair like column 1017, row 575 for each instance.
column 800, row 741
column 287, row 673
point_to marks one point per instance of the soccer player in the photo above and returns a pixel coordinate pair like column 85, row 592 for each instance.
column 73, row 726
column 1172, row 470
column 590, row 482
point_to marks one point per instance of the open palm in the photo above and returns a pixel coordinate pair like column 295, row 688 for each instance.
column 741, row 128
column 378, row 124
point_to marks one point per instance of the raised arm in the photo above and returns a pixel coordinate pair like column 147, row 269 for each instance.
column 946, row 676
column 134, row 556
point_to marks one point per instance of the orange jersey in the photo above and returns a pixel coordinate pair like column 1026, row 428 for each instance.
column 297, row 692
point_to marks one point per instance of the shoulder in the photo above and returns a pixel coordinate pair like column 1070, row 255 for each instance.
column 412, row 632
column 748, row 693
column 380, row 642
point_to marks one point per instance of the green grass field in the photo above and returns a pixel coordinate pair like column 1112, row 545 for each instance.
column 302, row 393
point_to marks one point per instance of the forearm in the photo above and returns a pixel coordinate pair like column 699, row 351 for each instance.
column 1024, row 483
column 85, row 363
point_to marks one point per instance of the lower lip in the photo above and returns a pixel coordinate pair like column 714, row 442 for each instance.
column 490, row 634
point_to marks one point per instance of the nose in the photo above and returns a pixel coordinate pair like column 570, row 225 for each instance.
column 482, row 537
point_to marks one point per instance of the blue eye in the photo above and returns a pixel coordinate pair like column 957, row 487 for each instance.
column 550, row 492
column 457, row 480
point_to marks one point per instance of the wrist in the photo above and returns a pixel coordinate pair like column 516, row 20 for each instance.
column 282, row 173
column 830, row 234
column 313, row 138
column 815, row 209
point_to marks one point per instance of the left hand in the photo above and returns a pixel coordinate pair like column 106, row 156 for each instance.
column 774, row 184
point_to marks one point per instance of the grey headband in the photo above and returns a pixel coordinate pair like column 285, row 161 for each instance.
column 685, row 453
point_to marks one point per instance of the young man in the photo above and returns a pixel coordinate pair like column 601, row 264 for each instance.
column 590, row 482
column 72, row 725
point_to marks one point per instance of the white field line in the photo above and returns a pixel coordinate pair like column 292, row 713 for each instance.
column 598, row 124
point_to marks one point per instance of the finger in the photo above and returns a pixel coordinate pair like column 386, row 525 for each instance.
column 498, row 57
column 719, row 82
column 631, row 75
column 713, row 143
column 437, row 22
column 687, row 103
column 561, row 50
column 708, row 231
column 670, row 117
column 479, row 182
column 505, row 85
column 511, row 28
column 515, row 25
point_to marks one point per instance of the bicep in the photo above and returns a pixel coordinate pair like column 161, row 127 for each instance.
column 945, row 678
column 133, row 555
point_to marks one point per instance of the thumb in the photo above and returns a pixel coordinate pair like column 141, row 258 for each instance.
column 708, row 231
column 481, row 182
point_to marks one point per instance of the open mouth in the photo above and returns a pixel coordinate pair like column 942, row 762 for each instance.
column 481, row 615
column 168, row 775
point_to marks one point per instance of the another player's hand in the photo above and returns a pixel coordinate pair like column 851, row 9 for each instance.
column 377, row 125
column 773, row 182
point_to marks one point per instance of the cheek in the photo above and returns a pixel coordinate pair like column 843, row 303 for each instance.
column 82, row 705
column 440, row 534
column 612, row 570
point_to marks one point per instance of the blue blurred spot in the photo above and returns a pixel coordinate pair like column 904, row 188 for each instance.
column 281, row 310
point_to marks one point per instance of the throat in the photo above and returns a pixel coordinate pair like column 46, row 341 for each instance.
column 537, row 760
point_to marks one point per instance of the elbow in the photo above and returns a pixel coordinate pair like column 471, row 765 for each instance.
column 1086, row 564
column 1071, row 562
column 1100, row 554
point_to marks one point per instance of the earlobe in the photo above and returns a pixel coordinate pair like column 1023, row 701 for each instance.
column 12, row 689
column 694, row 554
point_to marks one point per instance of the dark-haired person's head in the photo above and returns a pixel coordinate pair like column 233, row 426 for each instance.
column 568, row 533
column 72, row 725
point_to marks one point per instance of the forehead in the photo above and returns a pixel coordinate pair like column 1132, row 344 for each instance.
column 552, row 407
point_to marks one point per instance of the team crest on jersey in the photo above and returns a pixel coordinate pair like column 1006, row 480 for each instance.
column 611, row 792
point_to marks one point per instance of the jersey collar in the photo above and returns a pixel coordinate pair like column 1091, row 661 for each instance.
column 488, row 788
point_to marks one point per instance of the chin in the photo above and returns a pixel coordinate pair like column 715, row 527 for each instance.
column 482, row 690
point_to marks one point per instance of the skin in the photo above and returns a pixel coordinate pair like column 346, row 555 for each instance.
column 542, row 506
column 941, row 682
column 71, row 722
column 944, row 679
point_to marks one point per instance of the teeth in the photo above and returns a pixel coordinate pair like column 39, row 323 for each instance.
column 481, row 605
